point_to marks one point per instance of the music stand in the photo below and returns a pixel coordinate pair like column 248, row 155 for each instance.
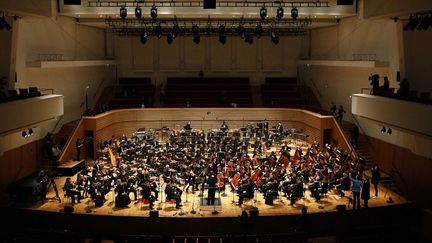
column 193, row 204
column 160, row 200
column 214, row 203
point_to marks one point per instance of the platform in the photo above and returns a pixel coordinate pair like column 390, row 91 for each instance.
column 205, row 207
column 70, row 168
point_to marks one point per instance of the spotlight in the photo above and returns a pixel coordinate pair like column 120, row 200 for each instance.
column 196, row 34
column 241, row 30
column 153, row 12
column 258, row 30
column 24, row 134
column 138, row 12
column 279, row 13
column 274, row 37
column 123, row 12
column 222, row 35
column 294, row 13
column 248, row 39
column 383, row 130
column 4, row 24
column 389, row 131
column 170, row 38
column 263, row 12
column 143, row 37
column 176, row 30
column 30, row 132
column 158, row 31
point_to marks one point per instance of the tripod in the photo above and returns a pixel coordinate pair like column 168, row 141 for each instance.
column 53, row 184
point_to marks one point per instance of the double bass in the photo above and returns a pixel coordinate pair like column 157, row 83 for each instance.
column 235, row 180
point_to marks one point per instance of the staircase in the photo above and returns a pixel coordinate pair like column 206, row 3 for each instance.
column 365, row 151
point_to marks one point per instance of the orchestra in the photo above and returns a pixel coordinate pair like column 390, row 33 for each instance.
column 192, row 158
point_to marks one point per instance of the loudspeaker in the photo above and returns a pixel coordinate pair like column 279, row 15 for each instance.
column 341, row 207
column 209, row 4
column 398, row 76
column 154, row 213
column 68, row 209
column 254, row 212
column 345, row 2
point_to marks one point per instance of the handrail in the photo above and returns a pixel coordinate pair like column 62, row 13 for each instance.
column 68, row 143
column 57, row 123
column 316, row 88
column 357, row 123
column 98, row 88
column 352, row 151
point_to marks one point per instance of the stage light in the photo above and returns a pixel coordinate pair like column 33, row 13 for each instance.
column 258, row 30
column 176, row 30
column 263, row 12
column 279, row 13
column 274, row 37
column 294, row 13
column 196, row 34
column 222, row 35
column 30, row 132
column 153, row 12
column 143, row 37
column 389, row 131
column 123, row 12
column 248, row 39
column 158, row 31
column 383, row 130
column 24, row 134
column 241, row 30
column 170, row 38
column 138, row 12
column 4, row 24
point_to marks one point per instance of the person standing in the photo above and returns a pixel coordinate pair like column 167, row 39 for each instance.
column 211, row 182
column 340, row 114
column 333, row 110
column 365, row 193
column 78, row 146
column 376, row 177
column 356, row 188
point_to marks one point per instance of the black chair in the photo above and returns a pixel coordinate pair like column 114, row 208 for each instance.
column 23, row 93
column 34, row 92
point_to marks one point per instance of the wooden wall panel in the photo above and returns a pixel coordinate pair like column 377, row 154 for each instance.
column 411, row 172
column 221, row 57
column 246, row 56
column 169, row 55
column 272, row 55
column 194, row 54
column 143, row 55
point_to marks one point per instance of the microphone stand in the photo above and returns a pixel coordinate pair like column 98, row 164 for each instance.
column 160, row 192
column 214, row 203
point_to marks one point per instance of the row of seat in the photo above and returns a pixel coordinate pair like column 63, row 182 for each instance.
column 24, row 93
column 281, row 92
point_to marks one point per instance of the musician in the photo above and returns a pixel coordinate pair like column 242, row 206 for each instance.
column 211, row 182
column 146, row 193
column 174, row 193
column 246, row 190
column 71, row 191
column 122, row 199
column 280, row 128
column 132, row 187
column 224, row 127
column 191, row 181
column 188, row 127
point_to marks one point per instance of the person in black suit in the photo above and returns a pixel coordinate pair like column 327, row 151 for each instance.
column 146, row 193
column 78, row 146
column 188, row 127
column 224, row 127
column 70, row 191
column 211, row 182
column 173, row 193
column 376, row 177
column 246, row 191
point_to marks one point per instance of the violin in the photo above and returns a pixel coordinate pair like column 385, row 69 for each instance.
column 220, row 181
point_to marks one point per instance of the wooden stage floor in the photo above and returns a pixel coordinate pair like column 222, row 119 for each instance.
column 228, row 208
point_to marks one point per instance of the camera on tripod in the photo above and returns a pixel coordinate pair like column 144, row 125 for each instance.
column 373, row 77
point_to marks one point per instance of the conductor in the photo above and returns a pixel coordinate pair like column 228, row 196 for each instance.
column 188, row 127
column 211, row 181
column 224, row 127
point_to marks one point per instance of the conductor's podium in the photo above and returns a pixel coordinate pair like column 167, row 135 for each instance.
column 217, row 205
